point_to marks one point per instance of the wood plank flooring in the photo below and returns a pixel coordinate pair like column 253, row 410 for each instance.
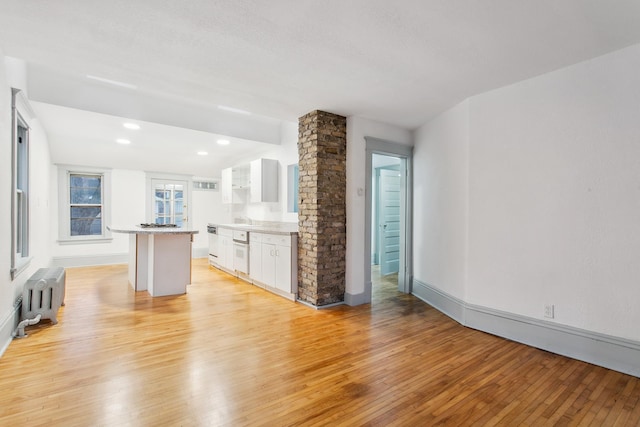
column 230, row 354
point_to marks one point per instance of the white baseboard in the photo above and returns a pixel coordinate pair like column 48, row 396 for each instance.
column 359, row 299
column 319, row 307
column 608, row 351
column 7, row 327
column 107, row 259
column 89, row 260
column 199, row 252
column 447, row 304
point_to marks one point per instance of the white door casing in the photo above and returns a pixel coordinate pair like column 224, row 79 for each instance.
column 405, row 153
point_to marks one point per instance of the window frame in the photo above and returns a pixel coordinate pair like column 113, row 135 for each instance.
column 21, row 115
column 64, row 204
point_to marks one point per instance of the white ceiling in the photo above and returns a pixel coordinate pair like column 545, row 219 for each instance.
column 78, row 137
column 400, row 62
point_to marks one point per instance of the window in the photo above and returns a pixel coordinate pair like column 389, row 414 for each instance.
column 169, row 202
column 20, row 113
column 83, row 200
column 85, row 206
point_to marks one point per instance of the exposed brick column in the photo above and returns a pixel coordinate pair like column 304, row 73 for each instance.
column 322, row 213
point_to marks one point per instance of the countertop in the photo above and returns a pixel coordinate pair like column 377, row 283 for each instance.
column 271, row 228
column 136, row 229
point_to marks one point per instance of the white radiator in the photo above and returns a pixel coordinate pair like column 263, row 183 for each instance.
column 42, row 296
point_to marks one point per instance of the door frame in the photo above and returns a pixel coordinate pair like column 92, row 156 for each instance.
column 404, row 152
column 149, row 193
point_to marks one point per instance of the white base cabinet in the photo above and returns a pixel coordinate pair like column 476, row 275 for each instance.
column 255, row 257
column 274, row 262
column 225, row 248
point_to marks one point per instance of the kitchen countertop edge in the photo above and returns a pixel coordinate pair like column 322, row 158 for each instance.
column 283, row 230
column 150, row 230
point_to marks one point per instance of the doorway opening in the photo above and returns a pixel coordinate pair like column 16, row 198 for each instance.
column 385, row 223
column 387, row 218
column 168, row 200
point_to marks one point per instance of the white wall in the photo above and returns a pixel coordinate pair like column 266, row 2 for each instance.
column 564, row 227
column 357, row 129
column 7, row 289
column 286, row 154
column 553, row 196
column 39, row 238
column 440, row 201
column 127, row 207
column 207, row 208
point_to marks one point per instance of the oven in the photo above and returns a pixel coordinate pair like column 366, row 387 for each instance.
column 212, row 231
column 241, row 251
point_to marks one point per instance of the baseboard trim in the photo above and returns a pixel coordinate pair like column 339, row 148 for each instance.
column 89, row 260
column 8, row 325
column 447, row 304
column 200, row 252
column 608, row 351
column 359, row 299
column 319, row 307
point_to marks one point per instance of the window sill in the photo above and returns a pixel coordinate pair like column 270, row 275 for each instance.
column 85, row 240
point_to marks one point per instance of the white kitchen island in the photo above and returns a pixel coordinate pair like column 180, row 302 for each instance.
column 159, row 259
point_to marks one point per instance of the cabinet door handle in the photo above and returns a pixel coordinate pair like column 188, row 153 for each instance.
column 277, row 252
column 271, row 252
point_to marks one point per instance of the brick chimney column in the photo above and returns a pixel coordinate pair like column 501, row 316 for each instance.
column 322, row 213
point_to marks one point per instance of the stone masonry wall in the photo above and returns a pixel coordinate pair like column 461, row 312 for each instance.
column 322, row 215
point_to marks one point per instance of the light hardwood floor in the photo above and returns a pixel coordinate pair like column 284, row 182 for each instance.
column 228, row 353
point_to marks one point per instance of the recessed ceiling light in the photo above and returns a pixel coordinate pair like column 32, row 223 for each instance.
column 123, row 141
column 133, row 126
column 234, row 110
column 223, row 141
column 112, row 82
column 202, row 153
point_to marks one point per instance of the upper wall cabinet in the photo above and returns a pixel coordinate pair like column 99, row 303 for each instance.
column 264, row 180
column 234, row 184
column 225, row 186
column 256, row 182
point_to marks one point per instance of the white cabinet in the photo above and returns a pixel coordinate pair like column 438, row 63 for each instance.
column 226, row 181
column 278, row 266
column 255, row 182
column 255, row 256
column 225, row 248
column 264, row 180
column 234, row 184
column 268, row 264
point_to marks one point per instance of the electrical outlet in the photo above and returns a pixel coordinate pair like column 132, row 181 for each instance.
column 548, row 311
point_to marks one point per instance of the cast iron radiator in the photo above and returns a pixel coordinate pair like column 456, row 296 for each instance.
column 42, row 296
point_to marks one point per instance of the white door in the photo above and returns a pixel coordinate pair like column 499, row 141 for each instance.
column 170, row 204
column 389, row 221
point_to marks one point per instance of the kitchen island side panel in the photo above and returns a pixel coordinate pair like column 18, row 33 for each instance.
column 169, row 264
